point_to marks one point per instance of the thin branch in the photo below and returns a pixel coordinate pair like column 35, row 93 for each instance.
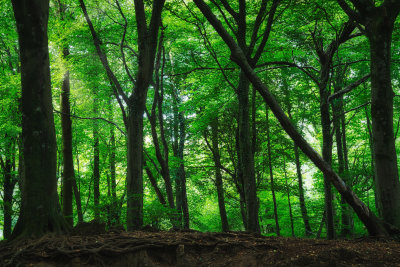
column 92, row 118
column 349, row 88
column 125, row 25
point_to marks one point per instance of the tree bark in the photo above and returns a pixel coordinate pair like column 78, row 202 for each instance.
column 66, row 127
column 288, row 197
column 96, row 163
column 8, row 185
column 340, row 136
column 180, row 138
column 218, row 175
column 386, row 172
column 40, row 210
column 271, row 173
column 147, row 46
column 247, row 157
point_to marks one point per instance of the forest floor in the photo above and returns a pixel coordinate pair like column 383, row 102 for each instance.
column 190, row 248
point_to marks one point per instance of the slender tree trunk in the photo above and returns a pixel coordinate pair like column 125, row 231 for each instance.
column 66, row 127
column 247, row 157
column 240, row 183
column 288, row 197
column 153, row 182
column 114, row 209
column 180, row 137
column 218, row 175
column 327, row 143
column 271, row 173
column 40, row 210
column 96, row 163
column 9, row 185
column 302, row 202
column 340, row 135
column 371, row 146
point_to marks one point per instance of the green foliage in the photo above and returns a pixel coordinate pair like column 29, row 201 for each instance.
column 195, row 84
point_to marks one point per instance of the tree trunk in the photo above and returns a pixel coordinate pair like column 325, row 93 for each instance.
column 302, row 202
column 9, row 185
column 288, row 197
column 67, row 148
column 96, row 163
column 379, row 34
column 371, row 147
column 114, row 212
column 246, row 154
column 134, row 168
column 40, row 210
column 271, row 174
column 180, row 137
column 147, row 46
column 340, row 135
column 218, row 175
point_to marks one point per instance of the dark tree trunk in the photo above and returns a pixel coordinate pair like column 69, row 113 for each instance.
column 327, row 143
column 114, row 209
column 302, row 202
column 9, row 185
column 218, row 175
column 66, row 127
column 288, row 197
column 161, row 154
column 387, row 179
column 180, row 137
column 40, row 210
column 239, row 182
column 246, row 154
column 340, row 136
column 153, row 182
column 147, row 46
column 371, row 147
column 96, row 163
column 271, row 173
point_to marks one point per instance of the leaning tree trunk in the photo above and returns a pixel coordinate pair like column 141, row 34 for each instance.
column 40, row 210
column 374, row 225
column 386, row 172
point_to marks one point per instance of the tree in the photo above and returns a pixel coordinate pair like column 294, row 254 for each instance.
column 378, row 21
column 40, row 210
column 133, row 117
column 373, row 224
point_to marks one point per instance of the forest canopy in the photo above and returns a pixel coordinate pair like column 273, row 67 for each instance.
column 277, row 117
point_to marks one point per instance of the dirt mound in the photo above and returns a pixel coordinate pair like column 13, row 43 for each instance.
column 177, row 248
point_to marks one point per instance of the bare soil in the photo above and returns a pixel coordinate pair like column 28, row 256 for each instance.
column 190, row 248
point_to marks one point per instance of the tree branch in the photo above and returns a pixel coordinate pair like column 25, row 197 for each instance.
column 349, row 88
